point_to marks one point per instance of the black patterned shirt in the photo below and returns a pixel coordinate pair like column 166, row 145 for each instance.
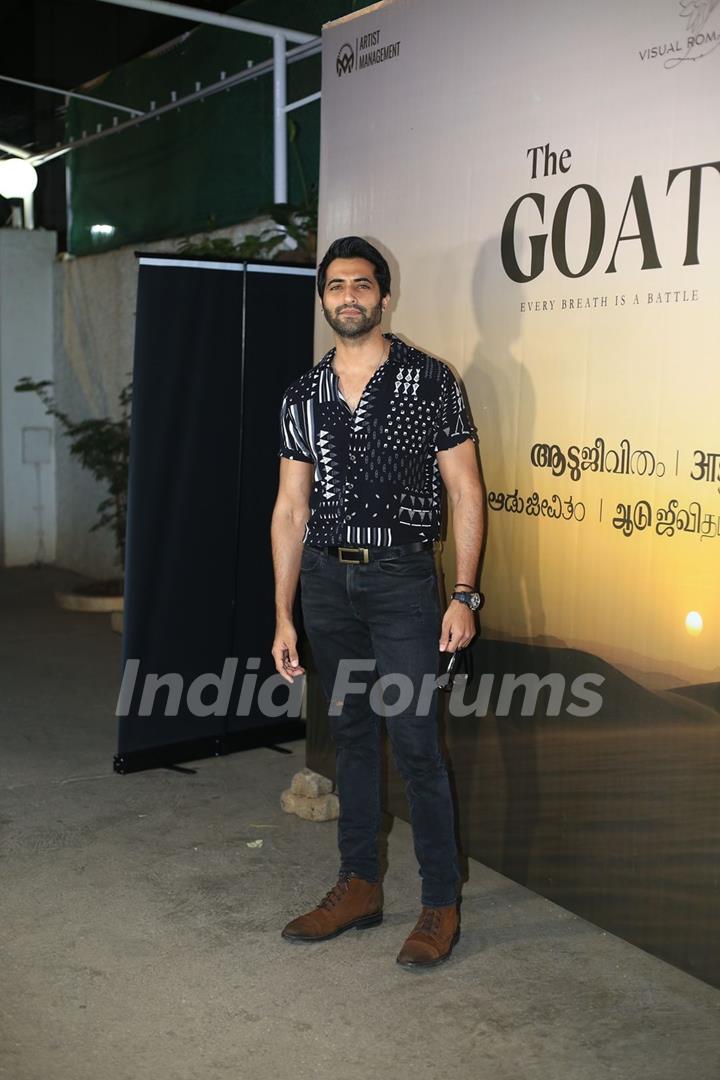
column 377, row 480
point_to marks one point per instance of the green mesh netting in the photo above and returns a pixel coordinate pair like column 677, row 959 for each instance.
column 208, row 164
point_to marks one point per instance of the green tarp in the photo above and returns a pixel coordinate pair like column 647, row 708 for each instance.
column 208, row 164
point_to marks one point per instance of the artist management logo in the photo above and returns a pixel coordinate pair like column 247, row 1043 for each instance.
column 345, row 60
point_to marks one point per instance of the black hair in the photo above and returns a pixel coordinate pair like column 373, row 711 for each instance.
column 354, row 247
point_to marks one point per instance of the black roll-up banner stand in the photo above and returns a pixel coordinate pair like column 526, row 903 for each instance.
column 217, row 342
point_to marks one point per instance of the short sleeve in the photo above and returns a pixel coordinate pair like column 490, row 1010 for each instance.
column 455, row 424
column 293, row 440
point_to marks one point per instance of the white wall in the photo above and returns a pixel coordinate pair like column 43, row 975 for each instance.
column 27, row 510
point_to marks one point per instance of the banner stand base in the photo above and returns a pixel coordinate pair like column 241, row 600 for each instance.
column 210, row 746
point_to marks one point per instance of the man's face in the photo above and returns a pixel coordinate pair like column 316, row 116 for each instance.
column 351, row 300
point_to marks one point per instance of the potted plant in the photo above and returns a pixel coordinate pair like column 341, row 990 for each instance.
column 102, row 446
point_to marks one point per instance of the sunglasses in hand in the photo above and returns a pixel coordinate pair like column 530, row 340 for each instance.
column 444, row 681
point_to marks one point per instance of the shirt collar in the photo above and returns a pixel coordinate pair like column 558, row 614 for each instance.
column 392, row 355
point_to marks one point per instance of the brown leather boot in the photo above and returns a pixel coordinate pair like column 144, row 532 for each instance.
column 432, row 938
column 352, row 901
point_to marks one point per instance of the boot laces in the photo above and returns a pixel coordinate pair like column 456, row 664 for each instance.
column 333, row 895
column 428, row 920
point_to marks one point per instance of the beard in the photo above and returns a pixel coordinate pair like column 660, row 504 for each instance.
column 357, row 325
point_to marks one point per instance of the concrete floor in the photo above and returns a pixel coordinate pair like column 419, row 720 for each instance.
column 140, row 934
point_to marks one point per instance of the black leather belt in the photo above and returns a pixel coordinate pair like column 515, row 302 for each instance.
column 348, row 554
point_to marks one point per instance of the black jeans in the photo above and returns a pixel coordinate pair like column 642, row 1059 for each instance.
column 386, row 613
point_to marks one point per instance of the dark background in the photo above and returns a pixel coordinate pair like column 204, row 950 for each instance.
column 66, row 43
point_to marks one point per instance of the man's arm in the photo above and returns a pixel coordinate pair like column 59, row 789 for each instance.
column 290, row 514
column 466, row 497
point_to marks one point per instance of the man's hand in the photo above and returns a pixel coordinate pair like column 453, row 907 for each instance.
column 284, row 652
column 458, row 627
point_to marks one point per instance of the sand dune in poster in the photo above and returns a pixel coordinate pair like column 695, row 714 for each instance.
column 614, row 815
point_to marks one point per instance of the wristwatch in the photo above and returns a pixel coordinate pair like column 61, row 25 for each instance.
column 474, row 600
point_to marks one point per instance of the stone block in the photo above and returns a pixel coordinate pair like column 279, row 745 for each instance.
column 310, row 784
column 322, row 808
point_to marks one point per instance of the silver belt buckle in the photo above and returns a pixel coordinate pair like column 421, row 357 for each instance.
column 364, row 551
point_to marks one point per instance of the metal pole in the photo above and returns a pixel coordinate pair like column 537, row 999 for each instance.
column 14, row 151
column 71, row 93
column 302, row 101
column 29, row 211
column 212, row 18
column 265, row 67
column 279, row 122
column 68, row 202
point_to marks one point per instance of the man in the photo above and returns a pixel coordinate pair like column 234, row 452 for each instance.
column 368, row 438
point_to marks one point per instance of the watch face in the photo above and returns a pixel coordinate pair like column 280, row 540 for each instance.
column 472, row 599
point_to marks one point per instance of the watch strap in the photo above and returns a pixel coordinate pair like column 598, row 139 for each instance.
column 463, row 598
